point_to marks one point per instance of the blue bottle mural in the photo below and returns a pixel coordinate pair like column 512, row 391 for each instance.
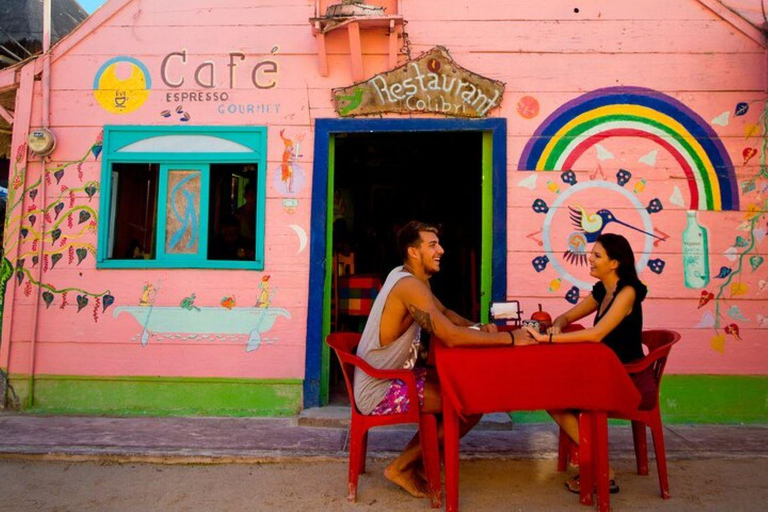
column 695, row 253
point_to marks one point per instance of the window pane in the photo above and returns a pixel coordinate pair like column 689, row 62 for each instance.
column 134, row 211
column 182, row 211
column 232, row 214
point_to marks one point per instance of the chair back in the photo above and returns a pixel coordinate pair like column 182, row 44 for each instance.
column 659, row 343
column 344, row 344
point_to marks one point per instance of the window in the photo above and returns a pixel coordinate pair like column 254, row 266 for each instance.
column 188, row 197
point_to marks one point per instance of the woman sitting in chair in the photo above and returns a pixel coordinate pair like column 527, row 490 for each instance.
column 616, row 298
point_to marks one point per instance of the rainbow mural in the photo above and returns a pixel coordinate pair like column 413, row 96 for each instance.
column 638, row 112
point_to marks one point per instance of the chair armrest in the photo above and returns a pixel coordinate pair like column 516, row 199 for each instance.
column 645, row 362
column 404, row 374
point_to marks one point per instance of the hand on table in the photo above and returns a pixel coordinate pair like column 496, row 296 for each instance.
column 535, row 334
column 524, row 337
column 489, row 328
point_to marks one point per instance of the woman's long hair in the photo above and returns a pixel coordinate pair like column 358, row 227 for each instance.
column 617, row 248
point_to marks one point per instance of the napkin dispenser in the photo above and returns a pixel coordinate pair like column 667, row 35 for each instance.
column 506, row 311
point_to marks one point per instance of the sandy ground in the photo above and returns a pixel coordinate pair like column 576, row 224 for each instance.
column 498, row 485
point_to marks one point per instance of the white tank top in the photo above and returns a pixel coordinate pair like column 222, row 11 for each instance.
column 401, row 353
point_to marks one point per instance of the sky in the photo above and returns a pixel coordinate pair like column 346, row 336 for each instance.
column 91, row 5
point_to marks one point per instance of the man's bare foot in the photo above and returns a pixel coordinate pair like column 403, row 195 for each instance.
column 408, row 480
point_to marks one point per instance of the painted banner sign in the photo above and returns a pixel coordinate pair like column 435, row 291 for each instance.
column 432, row 83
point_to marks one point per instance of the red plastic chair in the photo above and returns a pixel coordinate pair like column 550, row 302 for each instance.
column 344, row 344
column 659, row 343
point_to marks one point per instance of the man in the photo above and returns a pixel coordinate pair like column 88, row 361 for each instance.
column 405, row 305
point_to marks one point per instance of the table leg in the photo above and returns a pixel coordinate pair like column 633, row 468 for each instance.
column 451, row 449
column 586, row 470
column 600, row 440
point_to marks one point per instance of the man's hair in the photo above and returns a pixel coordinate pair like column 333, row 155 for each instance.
column 410, row 236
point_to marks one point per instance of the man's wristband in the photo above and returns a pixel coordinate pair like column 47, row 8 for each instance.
column 511, row 335
column 550, row 336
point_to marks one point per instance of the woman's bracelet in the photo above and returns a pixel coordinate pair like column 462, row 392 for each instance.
column 511, row 335
column 550, row 336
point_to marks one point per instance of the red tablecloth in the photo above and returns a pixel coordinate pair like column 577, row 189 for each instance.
column 558, row 376
column 584, row 376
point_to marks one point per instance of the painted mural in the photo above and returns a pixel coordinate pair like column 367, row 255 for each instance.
column 40, row 232
column 657, row 193
column 223, row 323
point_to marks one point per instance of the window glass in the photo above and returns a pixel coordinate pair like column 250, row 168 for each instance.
column 134, row 187
column 232, row 212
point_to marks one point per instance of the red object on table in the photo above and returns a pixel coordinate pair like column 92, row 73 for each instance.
column 659, row 343
column 357, row 293
column 344, row 344
column 585, row 376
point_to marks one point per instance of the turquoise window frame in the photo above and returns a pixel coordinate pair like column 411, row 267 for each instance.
column 251, row 145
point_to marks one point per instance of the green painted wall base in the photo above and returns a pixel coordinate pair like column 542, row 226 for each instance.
column 702, row 399
column 159, row 396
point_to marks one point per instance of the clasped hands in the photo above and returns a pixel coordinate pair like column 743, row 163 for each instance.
column 527, row 335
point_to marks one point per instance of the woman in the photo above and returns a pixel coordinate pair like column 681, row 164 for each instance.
column 616, row 298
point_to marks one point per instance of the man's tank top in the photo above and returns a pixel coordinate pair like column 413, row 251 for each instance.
column 401, row 353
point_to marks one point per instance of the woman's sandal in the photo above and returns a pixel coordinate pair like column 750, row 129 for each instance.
column 572, row 485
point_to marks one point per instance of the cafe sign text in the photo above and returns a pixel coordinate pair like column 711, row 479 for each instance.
column 433, row 83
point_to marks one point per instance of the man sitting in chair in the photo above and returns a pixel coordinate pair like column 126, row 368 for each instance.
column 404, row 306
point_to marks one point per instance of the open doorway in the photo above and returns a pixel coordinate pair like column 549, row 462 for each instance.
column 381, row 180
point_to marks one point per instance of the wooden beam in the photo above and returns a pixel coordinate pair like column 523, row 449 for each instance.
column 6, row 115
column 355, row 51
column 392, row 44
column 737, row 21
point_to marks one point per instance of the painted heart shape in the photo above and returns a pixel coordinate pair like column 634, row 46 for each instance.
column 32, row 219
column 748, row 154
column 724, row 272
column 82, row 301
column 81, row 254
column 20, row 276
column 705, row 297
column 55, row 257
column 90, row 190
column 33, row 194
column 58, row 175
column 24, row 232
column 83, row 217
column 96, row 150
column 107, row 301
column 35, row 261
column 47, row 298
column 55, row 234
column 57, row 209
column 755, row 262
column 741, row 242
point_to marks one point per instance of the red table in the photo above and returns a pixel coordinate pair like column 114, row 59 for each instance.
column 584, row 376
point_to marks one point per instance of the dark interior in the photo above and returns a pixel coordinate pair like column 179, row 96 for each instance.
column 383, row 180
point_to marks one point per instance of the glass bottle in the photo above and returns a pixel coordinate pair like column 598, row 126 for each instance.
column 695, row 253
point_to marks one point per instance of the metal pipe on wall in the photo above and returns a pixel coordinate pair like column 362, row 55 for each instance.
column 46, row 115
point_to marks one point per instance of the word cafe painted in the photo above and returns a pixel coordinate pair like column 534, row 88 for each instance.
column 199, row 192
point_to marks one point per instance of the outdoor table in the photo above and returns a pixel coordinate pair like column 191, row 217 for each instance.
column 583, row 376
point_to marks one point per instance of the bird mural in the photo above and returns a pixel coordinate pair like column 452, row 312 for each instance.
column 589, row 226
column 593, row 224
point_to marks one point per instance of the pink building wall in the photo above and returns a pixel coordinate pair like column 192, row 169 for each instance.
column 547, row 53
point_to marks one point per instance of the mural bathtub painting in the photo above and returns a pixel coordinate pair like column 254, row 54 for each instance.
column 155, row 320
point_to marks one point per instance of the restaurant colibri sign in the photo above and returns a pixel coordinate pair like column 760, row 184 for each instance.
column 432, row 83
